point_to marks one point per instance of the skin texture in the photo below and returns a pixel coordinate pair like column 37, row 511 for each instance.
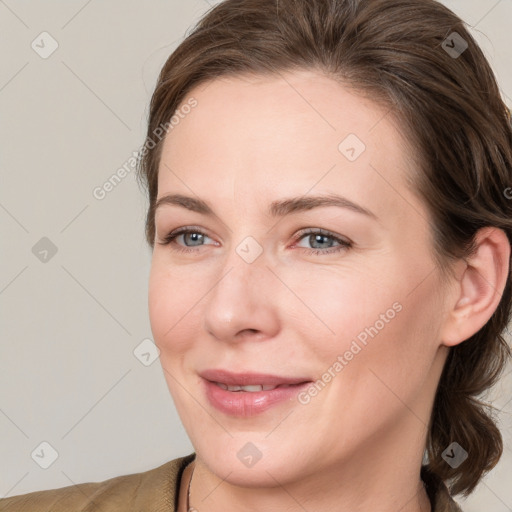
column 357, row 444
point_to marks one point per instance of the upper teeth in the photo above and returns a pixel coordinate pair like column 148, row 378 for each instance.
column 251, row 388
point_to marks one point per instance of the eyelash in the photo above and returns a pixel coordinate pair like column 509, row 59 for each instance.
column 344, row 244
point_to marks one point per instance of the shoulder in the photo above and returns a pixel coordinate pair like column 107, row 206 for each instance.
column 154, row 490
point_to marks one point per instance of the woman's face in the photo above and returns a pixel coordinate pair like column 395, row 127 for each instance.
column 256, row 288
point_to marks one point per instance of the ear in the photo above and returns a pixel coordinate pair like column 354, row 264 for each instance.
column 479, row 287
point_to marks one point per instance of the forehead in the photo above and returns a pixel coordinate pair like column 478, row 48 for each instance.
column 271, row 136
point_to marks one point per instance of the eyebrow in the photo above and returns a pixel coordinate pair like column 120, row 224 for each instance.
column 279, row 208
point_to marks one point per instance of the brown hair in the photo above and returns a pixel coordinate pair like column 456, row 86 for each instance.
column 449, row 105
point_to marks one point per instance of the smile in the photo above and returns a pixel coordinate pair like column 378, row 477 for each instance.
column 248, row 394
column 252, row 388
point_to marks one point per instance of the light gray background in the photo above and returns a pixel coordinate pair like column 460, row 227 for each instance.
column 68, row 374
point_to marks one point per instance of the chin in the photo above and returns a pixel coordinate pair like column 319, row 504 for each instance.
column 244, row 460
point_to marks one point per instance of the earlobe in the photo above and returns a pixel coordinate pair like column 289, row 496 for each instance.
column 479, row 290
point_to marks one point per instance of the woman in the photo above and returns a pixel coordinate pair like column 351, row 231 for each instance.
column 317, row 377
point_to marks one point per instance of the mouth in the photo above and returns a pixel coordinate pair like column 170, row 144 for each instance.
column 252, row 388
column 250, row 381
column 247, row 394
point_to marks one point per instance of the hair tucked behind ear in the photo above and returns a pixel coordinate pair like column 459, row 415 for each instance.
column 411, row 57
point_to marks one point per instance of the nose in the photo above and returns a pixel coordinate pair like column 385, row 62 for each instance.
column 242, row 303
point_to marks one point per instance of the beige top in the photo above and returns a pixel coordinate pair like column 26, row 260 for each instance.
column 155, row 490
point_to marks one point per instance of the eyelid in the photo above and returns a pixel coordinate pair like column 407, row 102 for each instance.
column 321, row 231
column 170, row 237
column 344, row 243
column 196, row 229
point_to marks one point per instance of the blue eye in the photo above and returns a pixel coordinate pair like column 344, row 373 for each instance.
column 315, row 236
column 171, row 237
column 319, row 236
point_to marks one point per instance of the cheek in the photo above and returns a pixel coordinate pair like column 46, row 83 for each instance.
column 373, row 321
column 382, row 377
column 337, row 306
column 170, row 301
column 390, row 358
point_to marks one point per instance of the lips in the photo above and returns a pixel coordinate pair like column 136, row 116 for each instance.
column 246, row 394
column 251, row 388
column 250, row 379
